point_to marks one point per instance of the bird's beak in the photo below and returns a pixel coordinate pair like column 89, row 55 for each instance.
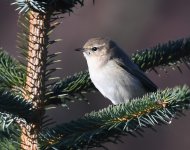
column 80, row 49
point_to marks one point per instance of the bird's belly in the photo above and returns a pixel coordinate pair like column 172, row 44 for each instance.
column 116, row 85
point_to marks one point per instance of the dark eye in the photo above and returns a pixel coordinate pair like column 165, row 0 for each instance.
column 94, row 48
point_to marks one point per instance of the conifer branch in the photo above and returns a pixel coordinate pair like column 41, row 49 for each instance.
column 38, row 27
column 128, row 118
column 16, row 106
column 12, row 73
column 35, row 87
column 43, row 6
column 71, row 88
column 9, row 138
column 171, row 54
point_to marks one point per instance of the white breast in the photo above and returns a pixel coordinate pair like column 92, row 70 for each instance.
column 115, row 83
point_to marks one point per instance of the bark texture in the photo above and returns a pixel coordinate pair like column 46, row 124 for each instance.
column 35, row 80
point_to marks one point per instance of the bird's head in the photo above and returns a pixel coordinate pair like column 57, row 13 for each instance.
column 98, row 50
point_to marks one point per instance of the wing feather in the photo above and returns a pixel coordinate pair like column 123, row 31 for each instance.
column 131, row 68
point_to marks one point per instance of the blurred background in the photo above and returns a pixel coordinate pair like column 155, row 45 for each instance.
column 134, row 25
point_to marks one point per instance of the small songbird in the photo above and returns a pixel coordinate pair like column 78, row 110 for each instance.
column 113, row 73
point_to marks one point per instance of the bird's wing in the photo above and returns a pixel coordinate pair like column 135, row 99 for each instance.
column 131, row 68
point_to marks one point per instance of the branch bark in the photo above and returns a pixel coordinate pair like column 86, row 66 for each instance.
column 35, row 81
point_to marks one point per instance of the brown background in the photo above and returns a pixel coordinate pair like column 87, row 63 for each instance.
column 134, row 24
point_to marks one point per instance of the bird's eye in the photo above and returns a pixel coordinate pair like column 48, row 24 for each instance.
column 94, row 48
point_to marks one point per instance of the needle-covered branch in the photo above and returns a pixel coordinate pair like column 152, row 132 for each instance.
column 71, row 88
column 12, row 73
column 171, row 54
column 98, row 127
column 17, row 106
column 9, row 138
column 44, row 5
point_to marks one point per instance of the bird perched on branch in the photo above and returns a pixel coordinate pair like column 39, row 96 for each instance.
column 113, row 73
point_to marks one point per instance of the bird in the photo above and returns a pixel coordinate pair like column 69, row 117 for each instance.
column 113, row 73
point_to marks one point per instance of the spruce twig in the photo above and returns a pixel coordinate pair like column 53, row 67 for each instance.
column 17, row 106
column 108, row 124
column 172, row 54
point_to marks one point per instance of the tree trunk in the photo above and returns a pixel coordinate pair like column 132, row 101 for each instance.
column 35, row 81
